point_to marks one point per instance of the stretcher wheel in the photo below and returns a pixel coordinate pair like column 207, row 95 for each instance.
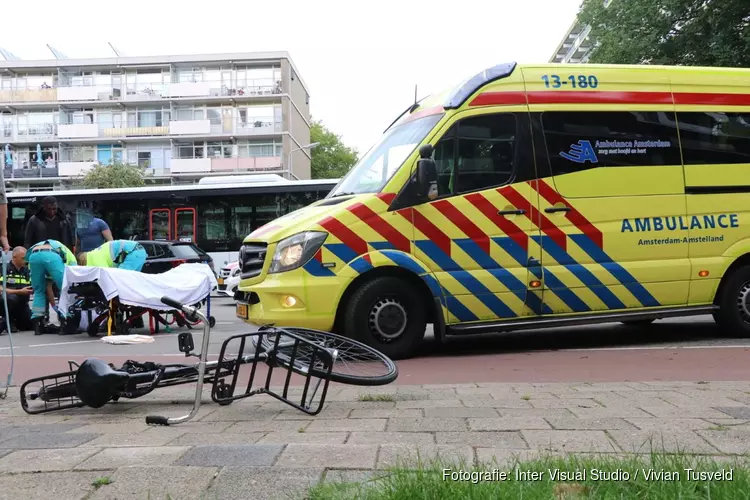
column 211, row 321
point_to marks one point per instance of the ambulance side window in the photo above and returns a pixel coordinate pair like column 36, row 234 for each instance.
column 476, row 153
column 714, row 138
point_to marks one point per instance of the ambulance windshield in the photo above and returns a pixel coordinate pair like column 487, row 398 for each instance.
column 375, row 169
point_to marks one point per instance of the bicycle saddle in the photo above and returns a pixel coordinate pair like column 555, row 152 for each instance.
column 97, row 382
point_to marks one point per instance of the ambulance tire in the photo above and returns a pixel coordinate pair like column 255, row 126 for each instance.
column 732, row 320
column 372, row 299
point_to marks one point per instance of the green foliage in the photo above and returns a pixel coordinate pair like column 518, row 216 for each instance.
column 331, row 159
column 114, row 175
column 671, row 32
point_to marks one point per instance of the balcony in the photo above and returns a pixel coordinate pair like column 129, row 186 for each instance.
column 226, row 165
column 190, row 127
column 189, row 165
column 74, row 168
column 133, row 131
column 77, row 131
column 143, row 91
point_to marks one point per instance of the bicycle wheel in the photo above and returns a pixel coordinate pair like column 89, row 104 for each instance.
column 354, row 363
column 52, row 393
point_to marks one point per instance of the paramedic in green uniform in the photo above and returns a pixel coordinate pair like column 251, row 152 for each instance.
column 122, row 254
column 46, row 259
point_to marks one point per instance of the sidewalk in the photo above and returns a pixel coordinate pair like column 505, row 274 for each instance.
column 260, row 448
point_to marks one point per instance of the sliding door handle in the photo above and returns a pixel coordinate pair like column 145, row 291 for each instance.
column 511, row 212
column 557, row 209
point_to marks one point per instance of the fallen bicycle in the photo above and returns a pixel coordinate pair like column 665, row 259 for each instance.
column 318, row 357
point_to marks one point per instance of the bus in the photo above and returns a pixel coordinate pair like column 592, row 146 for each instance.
column 216, row 215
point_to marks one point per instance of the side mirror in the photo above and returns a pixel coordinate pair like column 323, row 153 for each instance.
column 426, row 174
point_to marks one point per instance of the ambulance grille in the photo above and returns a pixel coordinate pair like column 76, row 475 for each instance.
column 252, row 256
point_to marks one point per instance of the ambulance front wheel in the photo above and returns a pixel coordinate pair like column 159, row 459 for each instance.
column 386, row 314
column 733, row 316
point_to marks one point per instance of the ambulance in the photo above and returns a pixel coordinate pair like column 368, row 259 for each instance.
column 529, row 196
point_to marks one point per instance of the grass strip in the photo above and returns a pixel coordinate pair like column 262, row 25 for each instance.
column 657, row 476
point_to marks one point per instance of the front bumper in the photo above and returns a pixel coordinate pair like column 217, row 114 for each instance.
column 311, row 305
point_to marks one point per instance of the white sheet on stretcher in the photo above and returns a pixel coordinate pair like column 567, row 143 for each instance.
column 186, row 283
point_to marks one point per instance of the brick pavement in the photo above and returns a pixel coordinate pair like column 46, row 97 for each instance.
column 262, row 446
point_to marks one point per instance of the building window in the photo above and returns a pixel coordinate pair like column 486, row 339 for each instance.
column 584, row 139
column 476, row 153
column 714, row 138
column 189, row 151
column 219, row 150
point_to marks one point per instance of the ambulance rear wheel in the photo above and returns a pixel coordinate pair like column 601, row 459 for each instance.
column 733, row 317
column 386, row 314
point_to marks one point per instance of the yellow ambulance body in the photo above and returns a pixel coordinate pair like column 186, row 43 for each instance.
column 529, row 196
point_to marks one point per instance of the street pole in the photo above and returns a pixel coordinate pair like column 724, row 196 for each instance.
column 309, row 146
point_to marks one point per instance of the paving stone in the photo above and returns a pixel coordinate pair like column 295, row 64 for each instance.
column 151, row 437
column 44, row 428
column 339, row 456
column 462, row 412
column 410, row 455
column 391, row 438
column 742, row 412
column 242, row 455
column 683, row 412
column 426, row 424
column 348, row 425
column 364, row 405
column 564, row 403
column 387, row 413
column 590, row 424
column 535, row 412
column 262, row 483
column 327, row 413
column 239, row 414
column 511, row 440
column 698, row 398
column 349, row 476
column 735, row 441
column 507, row 424
column 4, row 452
column 47, row 485
column 474, row 391
column 305, row 437
column 435, row 403
column 503, row 458
column 156, row 483
column 654, row 424
column 512, row 401
column 267, row 426
column 49, row 460
column 726, row 423
column 661, row 441
column 570, row 441
column 193, row 439
column 122, row 427
column 112, row 458
column 41, row 440
column 610, row 412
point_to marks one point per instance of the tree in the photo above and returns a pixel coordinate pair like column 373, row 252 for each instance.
column 331, row 158
column 114, row 175
column 671, row 32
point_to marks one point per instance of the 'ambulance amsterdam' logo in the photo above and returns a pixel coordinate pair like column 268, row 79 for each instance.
column 581, row 153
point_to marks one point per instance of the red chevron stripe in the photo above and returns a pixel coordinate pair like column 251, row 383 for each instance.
column 385, row 230
column 346, row 235
column 430, row 230
column 319, row 255
column 464, row 224
column 574, row 216
column 539, row 220
column 490, row 211
column 387, row 197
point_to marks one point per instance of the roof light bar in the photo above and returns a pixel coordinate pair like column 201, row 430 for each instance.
column 464, row 91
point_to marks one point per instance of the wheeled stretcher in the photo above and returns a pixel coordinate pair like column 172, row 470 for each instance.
column 122, row 298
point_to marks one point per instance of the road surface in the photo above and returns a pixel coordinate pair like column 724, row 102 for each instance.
column 678, row 349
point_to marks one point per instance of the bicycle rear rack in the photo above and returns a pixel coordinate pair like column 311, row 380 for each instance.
column 287, row 356
column 48, row 384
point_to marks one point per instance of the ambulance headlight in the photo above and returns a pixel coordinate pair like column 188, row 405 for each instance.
column 295, row 251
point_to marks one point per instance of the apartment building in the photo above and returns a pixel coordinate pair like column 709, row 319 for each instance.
column 576, row 45
column 180, row 117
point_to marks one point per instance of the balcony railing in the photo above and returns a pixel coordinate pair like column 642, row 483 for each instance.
column 73, row 165
column 143, row 91
column 110, row 130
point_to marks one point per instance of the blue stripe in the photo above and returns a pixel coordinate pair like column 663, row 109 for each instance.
column 360, row 265
column 403, row 260
column 558, row 288
column 619, row 272
column 342, row 251
column 504, row 276
column 459, row 310
column 488, row 298
column 580, row 272
column 316, row 269
column 514, row 249
column 382, row 245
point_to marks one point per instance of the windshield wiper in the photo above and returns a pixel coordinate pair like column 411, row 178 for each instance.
column 342, row 194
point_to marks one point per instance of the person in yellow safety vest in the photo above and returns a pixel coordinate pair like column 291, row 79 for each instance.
column 19, row 289
column 46, row 259
column 122, row 254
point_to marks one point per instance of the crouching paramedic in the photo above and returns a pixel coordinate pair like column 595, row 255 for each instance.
column 46, row 259
column 122, row 254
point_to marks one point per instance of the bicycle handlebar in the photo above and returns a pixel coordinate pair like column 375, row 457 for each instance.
column 191, row 312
